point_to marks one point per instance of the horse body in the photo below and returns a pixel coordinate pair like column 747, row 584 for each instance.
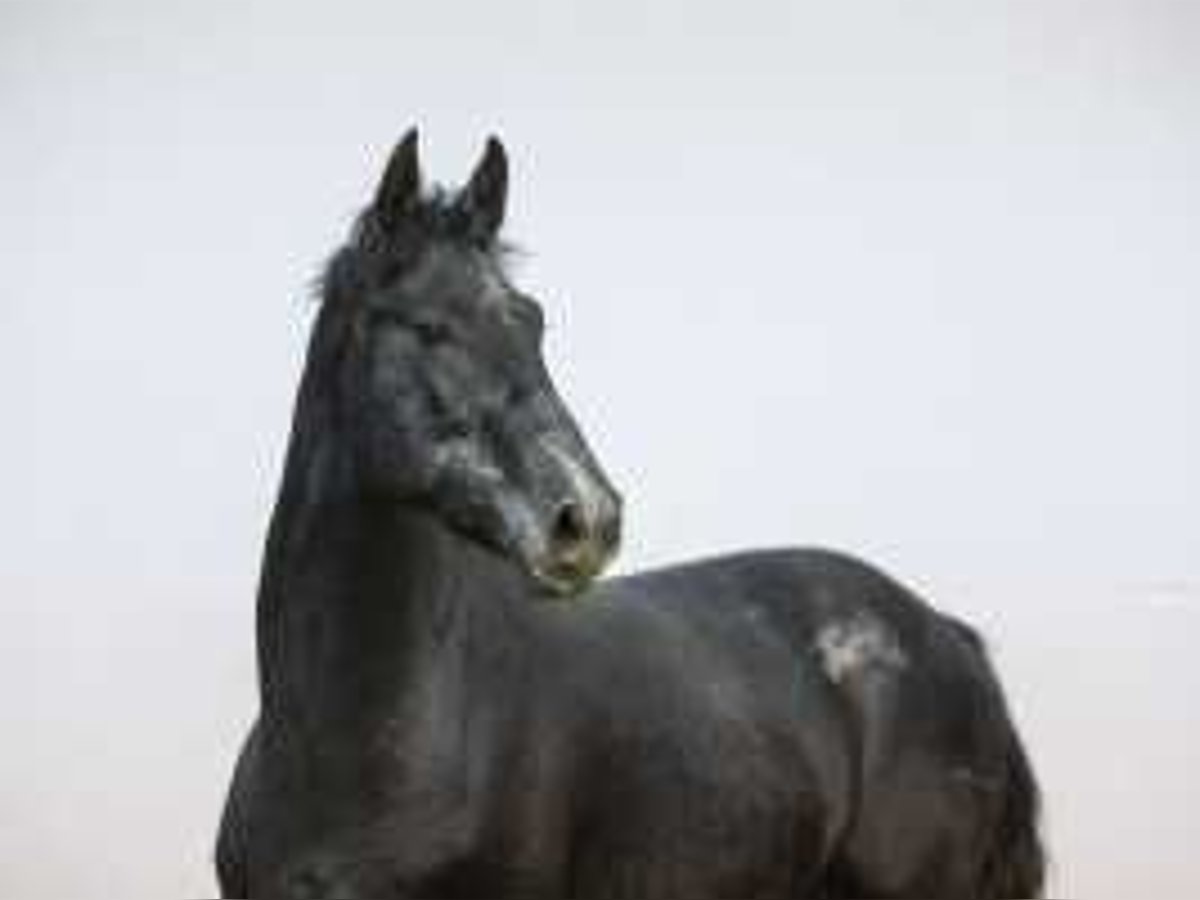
column 769, row 724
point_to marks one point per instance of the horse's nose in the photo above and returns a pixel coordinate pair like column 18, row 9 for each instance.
column 570, row 527
column 585, row 534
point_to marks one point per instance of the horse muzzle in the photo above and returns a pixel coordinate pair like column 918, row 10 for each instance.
column 582, row 538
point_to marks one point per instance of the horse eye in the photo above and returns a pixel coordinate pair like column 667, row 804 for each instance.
column 529, row 314
column 455, row 429
column 431, row 333
column 539, row 322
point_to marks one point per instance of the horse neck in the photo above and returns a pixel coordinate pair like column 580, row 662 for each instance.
column 359, row 600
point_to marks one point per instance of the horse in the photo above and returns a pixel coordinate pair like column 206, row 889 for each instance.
column 455, row 704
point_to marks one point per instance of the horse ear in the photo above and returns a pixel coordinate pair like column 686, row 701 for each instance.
column 483, row 200
column 400, row 188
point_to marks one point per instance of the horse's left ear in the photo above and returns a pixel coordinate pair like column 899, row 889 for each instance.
column 400, row 188
column 483, row 200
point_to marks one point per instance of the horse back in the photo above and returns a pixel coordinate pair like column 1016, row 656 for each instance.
column 938, row 798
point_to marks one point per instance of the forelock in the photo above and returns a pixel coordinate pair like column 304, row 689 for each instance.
column 374, row 257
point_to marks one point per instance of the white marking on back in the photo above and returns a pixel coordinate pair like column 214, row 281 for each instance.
column 862, row 643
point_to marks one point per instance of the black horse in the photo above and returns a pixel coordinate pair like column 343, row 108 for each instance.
column 782, row 723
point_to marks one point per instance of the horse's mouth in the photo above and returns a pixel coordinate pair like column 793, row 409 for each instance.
column 559, row 579
column 564, row 582
column 564, row 579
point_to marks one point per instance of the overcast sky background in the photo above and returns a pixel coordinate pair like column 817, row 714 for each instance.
column 916, row 280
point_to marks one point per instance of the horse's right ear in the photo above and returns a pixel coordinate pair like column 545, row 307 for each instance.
column 400, row 188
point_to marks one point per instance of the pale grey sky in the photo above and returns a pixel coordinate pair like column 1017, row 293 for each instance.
column 917, row 280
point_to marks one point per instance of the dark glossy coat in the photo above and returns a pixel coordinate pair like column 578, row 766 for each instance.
column 786, row 723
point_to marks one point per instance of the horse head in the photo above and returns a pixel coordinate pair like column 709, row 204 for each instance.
column 442, row 389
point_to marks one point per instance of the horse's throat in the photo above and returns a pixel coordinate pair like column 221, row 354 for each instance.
column 361, row 601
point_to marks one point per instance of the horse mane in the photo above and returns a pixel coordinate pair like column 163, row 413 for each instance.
column 374, row 256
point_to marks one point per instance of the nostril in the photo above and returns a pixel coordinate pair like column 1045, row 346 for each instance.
column 570, row 525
